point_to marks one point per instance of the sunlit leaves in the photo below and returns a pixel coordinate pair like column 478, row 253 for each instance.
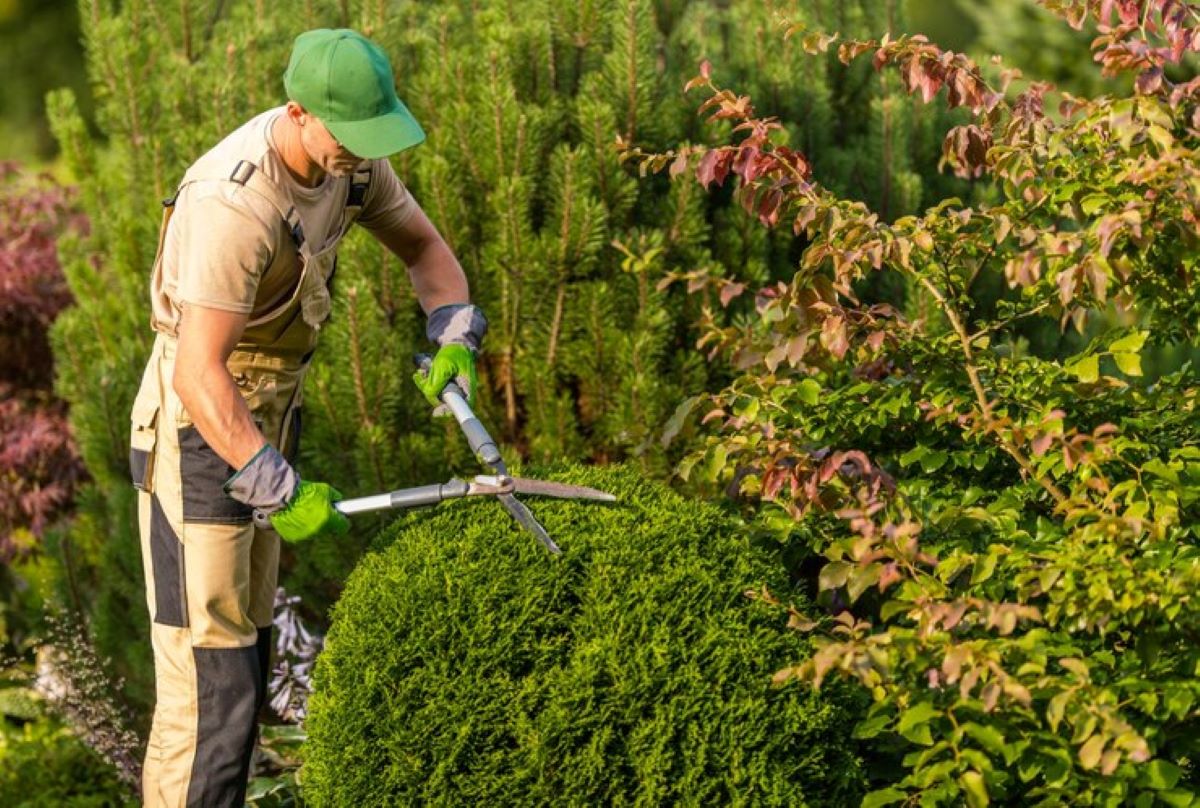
column 992, row 523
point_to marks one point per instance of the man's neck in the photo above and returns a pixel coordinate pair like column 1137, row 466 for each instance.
column 286, row 136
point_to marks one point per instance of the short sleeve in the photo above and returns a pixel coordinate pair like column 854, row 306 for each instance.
column 388, row 204
column 224, row 245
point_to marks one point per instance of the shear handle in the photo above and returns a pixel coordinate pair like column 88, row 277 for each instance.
column 477, row 436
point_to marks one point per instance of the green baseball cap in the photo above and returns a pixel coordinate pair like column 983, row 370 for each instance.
column 345, row 80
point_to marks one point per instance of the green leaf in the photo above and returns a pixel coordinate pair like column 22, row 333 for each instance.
column 747, row 409
column 984, row 567
column 1057, row 772
column 1162, row 470
column 932, row 461
column 1178, row 797
column 919, row 713
column 262, row 787
column 1161, row 774
column 834, row 574
column 1179, row 701
column 913, row 455
column 861, row 580
column 1028, row 771
column 1076, row 666
column 1129, row 363
column 1089, row 753
column 892, row 608
column 989, row 738
column 677, row 419
column 919, row 735
column 716, row 463
column 1087, row 369
column 884, row 796
column 1092, row 203
column 1054, row 710
column 973, row 786
column 1130, row 343
column 870, row 727
column 809, row 391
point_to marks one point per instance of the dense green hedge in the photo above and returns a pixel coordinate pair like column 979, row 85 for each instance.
column 467, row 666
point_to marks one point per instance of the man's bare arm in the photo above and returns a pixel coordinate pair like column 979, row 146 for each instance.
column 203, row 383
column 436, row 275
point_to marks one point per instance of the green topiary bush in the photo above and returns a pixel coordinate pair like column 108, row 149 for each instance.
column 467, row 666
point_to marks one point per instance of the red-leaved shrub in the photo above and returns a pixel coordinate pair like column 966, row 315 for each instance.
column 39, row 467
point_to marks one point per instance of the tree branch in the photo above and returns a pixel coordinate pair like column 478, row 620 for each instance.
column 985, row 406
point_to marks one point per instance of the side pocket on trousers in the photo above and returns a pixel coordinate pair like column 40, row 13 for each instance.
column 142, row 437
column 203, row 473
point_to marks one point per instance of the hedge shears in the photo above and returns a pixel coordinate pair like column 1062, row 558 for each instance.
column 498, row 484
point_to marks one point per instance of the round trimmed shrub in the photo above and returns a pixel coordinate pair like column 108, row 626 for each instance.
column 465, row 665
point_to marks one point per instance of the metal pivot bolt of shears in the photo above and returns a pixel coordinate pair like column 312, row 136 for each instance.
column 499, row 485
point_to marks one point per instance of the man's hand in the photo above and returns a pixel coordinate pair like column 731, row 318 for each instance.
column 297, row 509
column 309, row 513
column 451, row 363
column 458, row 328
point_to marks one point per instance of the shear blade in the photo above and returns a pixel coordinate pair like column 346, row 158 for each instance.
column 544, row 488
column 527, row 521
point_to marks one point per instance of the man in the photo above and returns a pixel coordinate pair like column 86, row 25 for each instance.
column 240, row 290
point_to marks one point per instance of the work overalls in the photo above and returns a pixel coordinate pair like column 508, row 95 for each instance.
column 210, row 571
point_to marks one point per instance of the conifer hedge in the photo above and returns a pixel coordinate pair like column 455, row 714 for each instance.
column 467, row 666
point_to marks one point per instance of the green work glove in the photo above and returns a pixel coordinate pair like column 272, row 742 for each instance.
column 309, row 513
column 452, row 362
column 296, row 509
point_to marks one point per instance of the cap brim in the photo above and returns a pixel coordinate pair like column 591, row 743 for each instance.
column 378, row 137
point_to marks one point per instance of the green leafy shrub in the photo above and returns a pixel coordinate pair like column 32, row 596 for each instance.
column 1008, row 535
column 466, row 666
column 43, row 764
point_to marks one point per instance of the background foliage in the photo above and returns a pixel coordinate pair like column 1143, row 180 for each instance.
column 585, row 356
column 1006, row 535
column 843, row 405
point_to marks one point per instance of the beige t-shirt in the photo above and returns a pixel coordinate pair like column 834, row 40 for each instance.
column 228, row 248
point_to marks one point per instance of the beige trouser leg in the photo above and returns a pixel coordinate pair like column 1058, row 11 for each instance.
column 210, row 585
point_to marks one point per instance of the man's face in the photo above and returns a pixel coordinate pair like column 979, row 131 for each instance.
column 324, row 150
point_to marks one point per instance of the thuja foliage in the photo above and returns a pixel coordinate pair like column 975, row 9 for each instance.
column 522, row 103
column 465, row 665
column 1008, row 540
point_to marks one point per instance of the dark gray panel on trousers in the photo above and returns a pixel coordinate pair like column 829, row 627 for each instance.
column 166, row 559
column 263, row 647
column 228, row 689
column 292, row 448
column 203, row 474
column 139, row 462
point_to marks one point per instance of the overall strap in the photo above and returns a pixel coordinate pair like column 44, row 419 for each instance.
column 247, row 174
column 356, row 196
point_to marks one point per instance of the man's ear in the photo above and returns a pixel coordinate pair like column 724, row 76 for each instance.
column 297, row 113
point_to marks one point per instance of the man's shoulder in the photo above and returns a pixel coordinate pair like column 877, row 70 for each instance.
column 229, row 210
column 248, row 143
column 232, row 173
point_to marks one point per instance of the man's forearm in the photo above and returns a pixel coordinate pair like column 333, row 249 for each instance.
column 437, row 277
column 211, row 398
